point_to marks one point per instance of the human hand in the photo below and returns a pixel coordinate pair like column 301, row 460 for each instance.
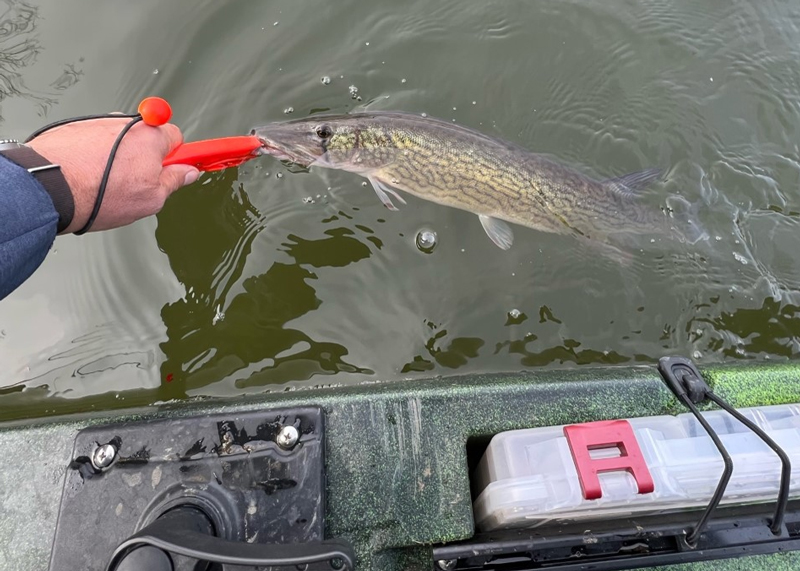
column 137, row 186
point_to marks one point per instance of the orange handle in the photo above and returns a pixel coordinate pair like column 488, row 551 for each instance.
column 208, row 155
column 215, row 154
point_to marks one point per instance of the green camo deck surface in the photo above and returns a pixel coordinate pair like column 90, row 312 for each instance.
column 397, row 478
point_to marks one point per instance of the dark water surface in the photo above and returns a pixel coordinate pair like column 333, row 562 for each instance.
column 272, row 278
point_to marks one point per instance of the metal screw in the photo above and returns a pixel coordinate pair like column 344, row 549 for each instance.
column 446, row 564
column 104, row 456
column 288, row 437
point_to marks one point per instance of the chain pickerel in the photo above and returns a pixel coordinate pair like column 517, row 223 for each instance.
column 460, row 167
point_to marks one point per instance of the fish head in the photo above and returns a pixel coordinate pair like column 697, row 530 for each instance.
column 344, row 142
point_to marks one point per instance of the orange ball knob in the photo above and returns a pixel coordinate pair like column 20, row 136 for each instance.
column 155, row 111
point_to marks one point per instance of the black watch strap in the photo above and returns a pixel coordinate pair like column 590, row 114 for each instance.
column 50, row 177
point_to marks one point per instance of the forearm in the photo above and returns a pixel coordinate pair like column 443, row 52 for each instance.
column 28, row 225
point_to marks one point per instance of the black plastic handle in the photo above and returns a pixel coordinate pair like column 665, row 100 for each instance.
column 174, row 533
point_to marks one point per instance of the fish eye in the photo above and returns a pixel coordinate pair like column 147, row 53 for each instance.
column 323, row 131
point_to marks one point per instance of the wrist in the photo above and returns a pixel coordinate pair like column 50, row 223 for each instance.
column 82, row 196
column 49, row 176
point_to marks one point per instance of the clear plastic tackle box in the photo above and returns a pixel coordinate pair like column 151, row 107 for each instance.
column 529, row 477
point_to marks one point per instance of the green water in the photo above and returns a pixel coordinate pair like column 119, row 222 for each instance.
column 273, row 278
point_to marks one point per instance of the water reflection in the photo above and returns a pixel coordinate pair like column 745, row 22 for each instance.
column 19, row 48
column 250, row 343
column 454, row 355
column 340, row 250
column 773, row 329
column 569, row 351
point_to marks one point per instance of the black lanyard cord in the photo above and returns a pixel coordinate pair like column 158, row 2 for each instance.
column 104, row 181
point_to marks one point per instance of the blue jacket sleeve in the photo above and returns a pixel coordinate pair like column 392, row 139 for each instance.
column 28, row 222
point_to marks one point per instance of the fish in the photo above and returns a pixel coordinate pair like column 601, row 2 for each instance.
column 501, row 182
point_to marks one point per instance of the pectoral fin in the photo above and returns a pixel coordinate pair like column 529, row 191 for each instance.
column 500, row 232
column 383, row 192
column 391, row 191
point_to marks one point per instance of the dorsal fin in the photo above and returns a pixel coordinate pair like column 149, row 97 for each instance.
column 627, row 183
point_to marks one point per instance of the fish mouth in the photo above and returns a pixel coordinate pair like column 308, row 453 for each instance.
column 282, row 153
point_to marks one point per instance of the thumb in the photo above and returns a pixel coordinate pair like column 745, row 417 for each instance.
column 174, row 177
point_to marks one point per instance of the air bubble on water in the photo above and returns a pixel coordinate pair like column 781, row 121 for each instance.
column 652, row 240
column 155, row 71
column 426, row 240
column 741, row 259
column 364, row 184
column 366, row 43
column 515, row 317
column 308, row 200
column 697, row 355
column 266, row 174
column 276, row 23
column 325, row 80
column 353, row 91
column 279, row 175
column 424, row 114
column 358, row 98
column 463, row 250
column 454, row 109
column 718, row 238
column 474, row 102
column 710, row 79
column 318, row 196
column 288, row 110
column 698, row 331
column 403, row 80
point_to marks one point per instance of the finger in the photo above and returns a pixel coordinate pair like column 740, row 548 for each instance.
column 171, row 137
column 174, row 177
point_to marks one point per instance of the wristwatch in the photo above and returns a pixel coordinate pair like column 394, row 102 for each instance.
column 47, row 173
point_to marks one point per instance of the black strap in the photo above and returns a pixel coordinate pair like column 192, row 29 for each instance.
column 50, row 177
